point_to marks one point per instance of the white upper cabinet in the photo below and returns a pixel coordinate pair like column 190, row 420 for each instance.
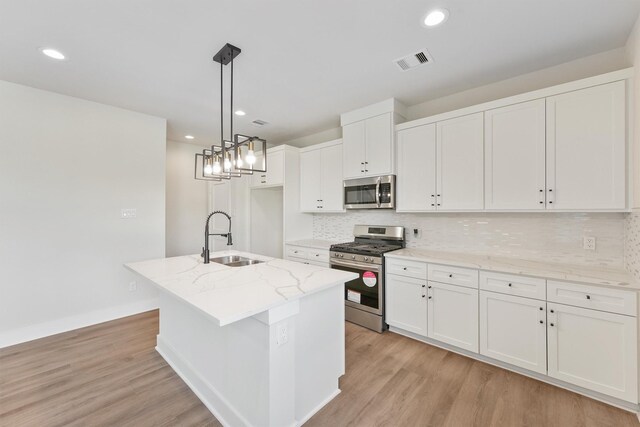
column 274, row 176
column 586, row 142
column 515, row 157
column 416, row 180
column 368, row 147
column 460, row 163
column 310, row 180
column 440, row 166
column 354, row 149
column 557, row 149
column 321, row 178
column 379, row 145
column 368, row 139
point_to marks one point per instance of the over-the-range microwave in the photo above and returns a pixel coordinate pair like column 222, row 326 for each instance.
column 377, row 192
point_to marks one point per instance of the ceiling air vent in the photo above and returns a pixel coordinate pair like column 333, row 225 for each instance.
column 414, row 60
column 259, row 122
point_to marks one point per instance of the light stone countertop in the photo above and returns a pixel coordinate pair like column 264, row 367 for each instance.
column 313, row 243
column 601, row 276
column 228, row 294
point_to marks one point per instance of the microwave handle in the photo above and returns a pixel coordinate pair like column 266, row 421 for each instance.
column 378, row 191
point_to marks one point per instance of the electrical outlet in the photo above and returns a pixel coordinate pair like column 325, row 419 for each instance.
column 282, row 334
column 133, row 286
column 128, row 213
column 589, row 243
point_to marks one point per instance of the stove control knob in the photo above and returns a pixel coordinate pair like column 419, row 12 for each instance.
column 353, row 257
column 341, row 256
column 366, row 258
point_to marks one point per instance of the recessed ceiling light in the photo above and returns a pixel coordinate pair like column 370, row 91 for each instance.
column 189, row 137
column 52, row 53
column 436, row 17
column 240, row 113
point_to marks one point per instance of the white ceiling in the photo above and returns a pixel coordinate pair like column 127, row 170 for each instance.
column 303, row 61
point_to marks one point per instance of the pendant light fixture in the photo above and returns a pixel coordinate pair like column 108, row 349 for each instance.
column 235, row 156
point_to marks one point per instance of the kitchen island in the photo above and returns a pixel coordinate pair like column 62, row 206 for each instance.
column 260, row 345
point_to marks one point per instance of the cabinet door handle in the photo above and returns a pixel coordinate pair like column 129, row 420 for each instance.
column 366, row 163
column 404, row 268
column 588, row 296
column 551, row 324
column 433, row 195
column 451, row 275
column 317, row 254
column 541, row 322
column 552, row 311
column 432, row 204
column 430, row 297
column 541, row 308
column 541, row 202
column 429, row 286
column 423, row 296
column 509, row 284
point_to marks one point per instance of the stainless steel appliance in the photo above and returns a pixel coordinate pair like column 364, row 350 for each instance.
column 376, row 192
column 364, row 296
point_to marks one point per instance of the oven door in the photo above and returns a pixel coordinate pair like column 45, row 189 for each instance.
column 365, row 292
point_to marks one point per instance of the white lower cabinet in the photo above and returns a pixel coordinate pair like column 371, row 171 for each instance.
column 453, row 315
column 406, row 303
column 522, row 321
column 514, row 330
column 594, row 349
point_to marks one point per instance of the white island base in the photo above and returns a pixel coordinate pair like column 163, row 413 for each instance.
column 276, row 368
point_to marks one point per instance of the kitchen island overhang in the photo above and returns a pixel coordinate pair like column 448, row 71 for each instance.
column 260, row 345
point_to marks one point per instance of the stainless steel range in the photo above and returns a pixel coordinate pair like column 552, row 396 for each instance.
column 364, row 296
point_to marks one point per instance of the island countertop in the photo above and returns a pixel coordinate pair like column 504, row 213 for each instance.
column 228, row 294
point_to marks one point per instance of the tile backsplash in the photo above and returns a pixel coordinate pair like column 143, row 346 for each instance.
column 551, row 237
column 632, row 243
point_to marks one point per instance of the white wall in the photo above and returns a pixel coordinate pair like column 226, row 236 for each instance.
column 569, row 71
column 186, row 201
column 67, row 167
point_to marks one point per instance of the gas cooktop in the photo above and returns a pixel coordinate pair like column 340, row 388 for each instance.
column 363, row 248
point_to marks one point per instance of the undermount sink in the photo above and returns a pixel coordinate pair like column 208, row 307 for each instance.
column 235, row 261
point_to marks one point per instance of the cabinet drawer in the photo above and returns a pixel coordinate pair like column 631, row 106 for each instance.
column 403, row 267
column 509, row 284
column 318, row 255
column 594, row 297
column 297, row 252
column 453, row 275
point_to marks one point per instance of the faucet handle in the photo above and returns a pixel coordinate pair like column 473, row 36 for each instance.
column 202, row 253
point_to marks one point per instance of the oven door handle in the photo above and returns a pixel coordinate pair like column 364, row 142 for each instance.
column 378, row 191
column 372, row 267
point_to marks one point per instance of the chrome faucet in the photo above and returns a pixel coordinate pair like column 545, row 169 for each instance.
column 205, row 250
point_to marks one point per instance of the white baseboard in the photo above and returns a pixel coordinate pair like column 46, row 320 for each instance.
column 317, row 408
column 66, row 324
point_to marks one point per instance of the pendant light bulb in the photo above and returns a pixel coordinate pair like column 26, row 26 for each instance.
column 239, row 162
column 227, row 162
column 251, row 156
column 216, row 165
column 208, row 169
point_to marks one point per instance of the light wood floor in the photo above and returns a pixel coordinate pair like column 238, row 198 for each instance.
column 110, row 375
